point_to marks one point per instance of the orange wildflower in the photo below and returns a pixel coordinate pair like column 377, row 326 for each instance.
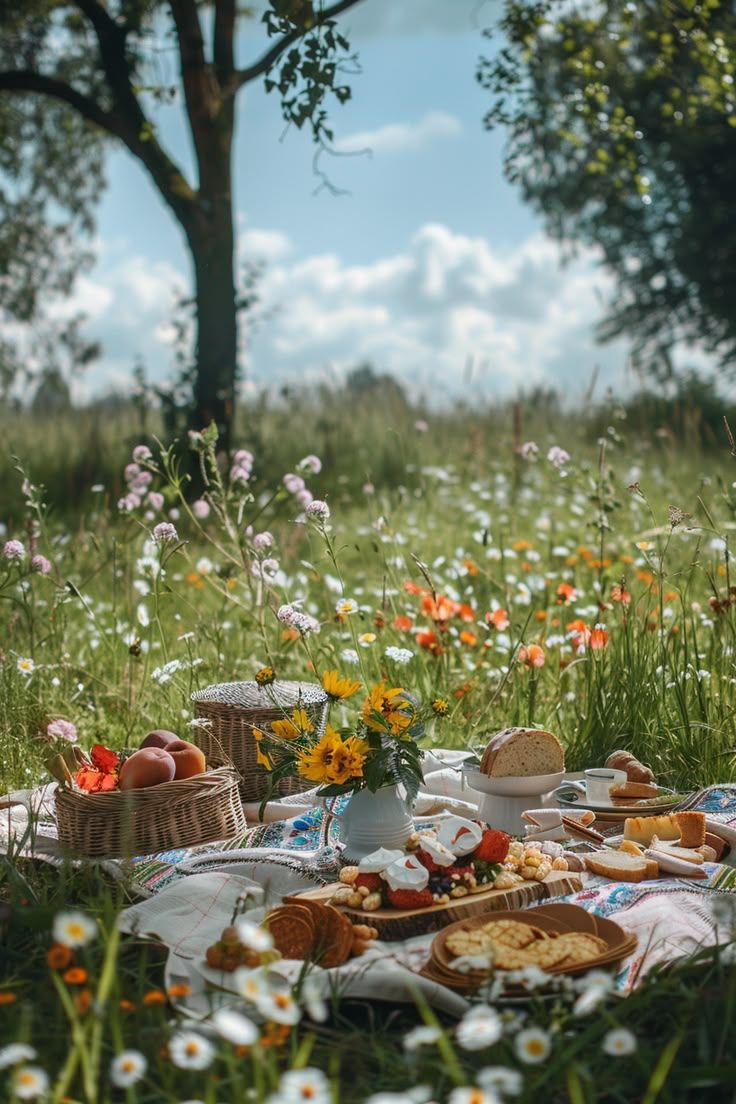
column 526, row 566
column 532, row 655
column 179, row 990
column 7, row 998
column 626, row 558
column 126, row 1005
column 540, row 615
column 403, row 623
column 522, row 545
column 429, row 640
column 461, row 691
column 468, row 638
column 194, row 579
column 579, row 632
column 671, row 596
column 499, row 618
column 566, row 593
column 58, row 956
column 466, row 613
column 412, row 588
column 471, row 567
column 76, row 975
column 290, row 634
column 598, row 638
column 440, row 609
column 619, row 593
column 571, row 561
column 82, row 1001
column 154, row 996
column 645, row 577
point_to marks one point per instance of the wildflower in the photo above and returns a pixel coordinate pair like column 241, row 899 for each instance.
column 189, row 1050
column 298, row 724
column 349, row 655
column 500, row 1079
column 366, row 639
column 499, row 618
column 243, row 458
column 181, row 990
column 154, row 996
column 403, row 623
column 76, row 975
column 339, row 688
column 557, row 456
column 126, row 1005
column 468, row 638
column 40, row 565
column 677, row 516
column 14, row 1054
column 279, row 1006
column 619, row 1042
column 7, row 997
column 532, row 1045
column 347, row 761
column 239, row 474
column 129, row 503
column 251, row 984
column 318, row 510
column 619, row 593
column 311, row 464
column 421, row 426
column 25, row 665
column 594, row 988
column 262, row 541
column 598, row 638
column 127, row 1068
column 62, row 730
column 293, row 483
column 58, row 956
column 30, row 1082
column 532, row 655
column 141, row 452
column 304, row 1084
column 479, row 1028
column 579, row 634
column 368, row 489
column 385, row 707
column 313, row 1001
column 315, row 763
column 253, row 937
column 566, row 593
column 471, row 1096
column 265, row 676
column 165, row 532
column 293, row 618
column 234, row 1028
column 201, row 509
column 267, row 570
column 440, row 707
column 424, row 1035
column 74, row 929
column 155, row 500
column 346, row 606
column 304, row 498
column 14, row 550
column 529, row 450
column 399, row 655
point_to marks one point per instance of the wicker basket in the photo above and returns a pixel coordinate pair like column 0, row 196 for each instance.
column 123, row 823
column 234, row 709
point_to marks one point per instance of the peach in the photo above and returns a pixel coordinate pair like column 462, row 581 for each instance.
column 159, row 738
column 147, row 767
column 189, row 759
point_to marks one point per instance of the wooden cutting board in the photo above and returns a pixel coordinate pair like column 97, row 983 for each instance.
column 393, row 924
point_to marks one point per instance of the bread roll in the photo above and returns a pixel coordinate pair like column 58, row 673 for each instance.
column 633, row 791
column 625, row 761
column 522, row 753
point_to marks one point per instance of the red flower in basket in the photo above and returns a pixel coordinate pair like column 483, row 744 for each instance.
column 101, row 775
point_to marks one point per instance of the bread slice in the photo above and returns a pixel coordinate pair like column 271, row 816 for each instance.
column 642, row 829
column 670, row 864
column 686, row 854
column 619, row 866
column 634, row 790
column 522, row 753
column 692, row 828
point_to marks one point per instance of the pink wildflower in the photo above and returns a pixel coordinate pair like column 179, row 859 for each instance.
column 41, row 565
column 557, row 456
column 155, row 500
column 62, row 730
column 165, row 532
column 132, row 471
column 529, row 450
column 14, row 550
column 293, row 483
column 142, row 452
column 201, row 509
column 318, row 510
column 262, row 541
column 304, row 498
column 311, row 464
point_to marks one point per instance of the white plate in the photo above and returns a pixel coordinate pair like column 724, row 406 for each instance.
column 533, row 786
column 570, row 799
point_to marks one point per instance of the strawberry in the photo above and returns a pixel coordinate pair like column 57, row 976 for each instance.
column 410, row 898
column 427, row 861
column 373, row 882
column 493, row 847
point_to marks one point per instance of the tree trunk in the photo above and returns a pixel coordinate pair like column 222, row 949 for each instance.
column 216, row 348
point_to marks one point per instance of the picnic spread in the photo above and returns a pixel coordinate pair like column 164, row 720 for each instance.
column 481, row 878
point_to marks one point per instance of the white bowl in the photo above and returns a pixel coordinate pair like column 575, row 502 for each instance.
column 532, row 786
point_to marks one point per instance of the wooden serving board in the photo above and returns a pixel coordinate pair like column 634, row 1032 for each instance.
column 393, row 924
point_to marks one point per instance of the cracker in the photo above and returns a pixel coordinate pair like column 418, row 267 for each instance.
column 293, row 931
column 512, row 933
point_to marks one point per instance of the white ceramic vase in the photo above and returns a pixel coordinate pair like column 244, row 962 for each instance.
column 373, row 820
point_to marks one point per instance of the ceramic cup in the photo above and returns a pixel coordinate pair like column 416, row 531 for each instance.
column 598, row 783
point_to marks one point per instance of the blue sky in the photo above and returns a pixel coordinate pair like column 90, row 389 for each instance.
column 428, row 265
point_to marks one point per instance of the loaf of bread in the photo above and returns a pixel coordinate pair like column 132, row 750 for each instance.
column 625, row 761
column 643, row 829
column 692, row 829
column 522, row 753
column 620, row 866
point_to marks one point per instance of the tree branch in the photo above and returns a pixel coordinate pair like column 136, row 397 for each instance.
column 27, row 80
column 264, row 63
column 224, row 33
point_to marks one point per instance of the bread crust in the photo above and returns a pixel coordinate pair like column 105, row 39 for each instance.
column 625, row 761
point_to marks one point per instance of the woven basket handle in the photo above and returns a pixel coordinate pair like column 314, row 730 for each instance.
column 204, row 722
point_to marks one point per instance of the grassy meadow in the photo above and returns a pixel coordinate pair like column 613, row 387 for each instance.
column 538, row 566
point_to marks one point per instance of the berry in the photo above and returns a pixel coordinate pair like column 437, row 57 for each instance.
column 428, row 862
column 410, row 898
column 493, row 847
column 372, row 882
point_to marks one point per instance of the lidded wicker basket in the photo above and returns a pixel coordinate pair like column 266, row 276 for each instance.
column 234, row 709
column 122, row 823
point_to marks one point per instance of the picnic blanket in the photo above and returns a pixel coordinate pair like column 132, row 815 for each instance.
column 181, row 908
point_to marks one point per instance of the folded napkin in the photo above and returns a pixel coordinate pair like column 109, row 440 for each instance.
column 546, row 824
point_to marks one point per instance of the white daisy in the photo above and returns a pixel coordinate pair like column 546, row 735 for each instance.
column 30, row 1082
column 501, row 1079
column 619, row 1042
column 25, row 665
column 279, row 1006
column 479, row 1028
column 15, row 1053
column 250, row 983
column 189, row 1050
column 234, row 1028
column 127, row 1068
column 304, row 1084
column 313, row 1001
column 258, row 939
column 424, row 1035
column 473, row 1095
column 532, row 1045
column 74, row 929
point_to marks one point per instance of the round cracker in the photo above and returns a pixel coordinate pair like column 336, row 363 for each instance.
column 292, row 930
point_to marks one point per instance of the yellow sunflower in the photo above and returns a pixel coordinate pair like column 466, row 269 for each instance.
column 298, row 724
column 397, row 711
column 316, row 763
column 337, row 687
column 347, row 760
column 261, row 758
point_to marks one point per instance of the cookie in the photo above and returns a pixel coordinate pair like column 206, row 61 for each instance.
column 293, row 931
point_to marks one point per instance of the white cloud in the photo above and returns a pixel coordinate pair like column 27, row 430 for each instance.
column 402, row 137
column 265, row 245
